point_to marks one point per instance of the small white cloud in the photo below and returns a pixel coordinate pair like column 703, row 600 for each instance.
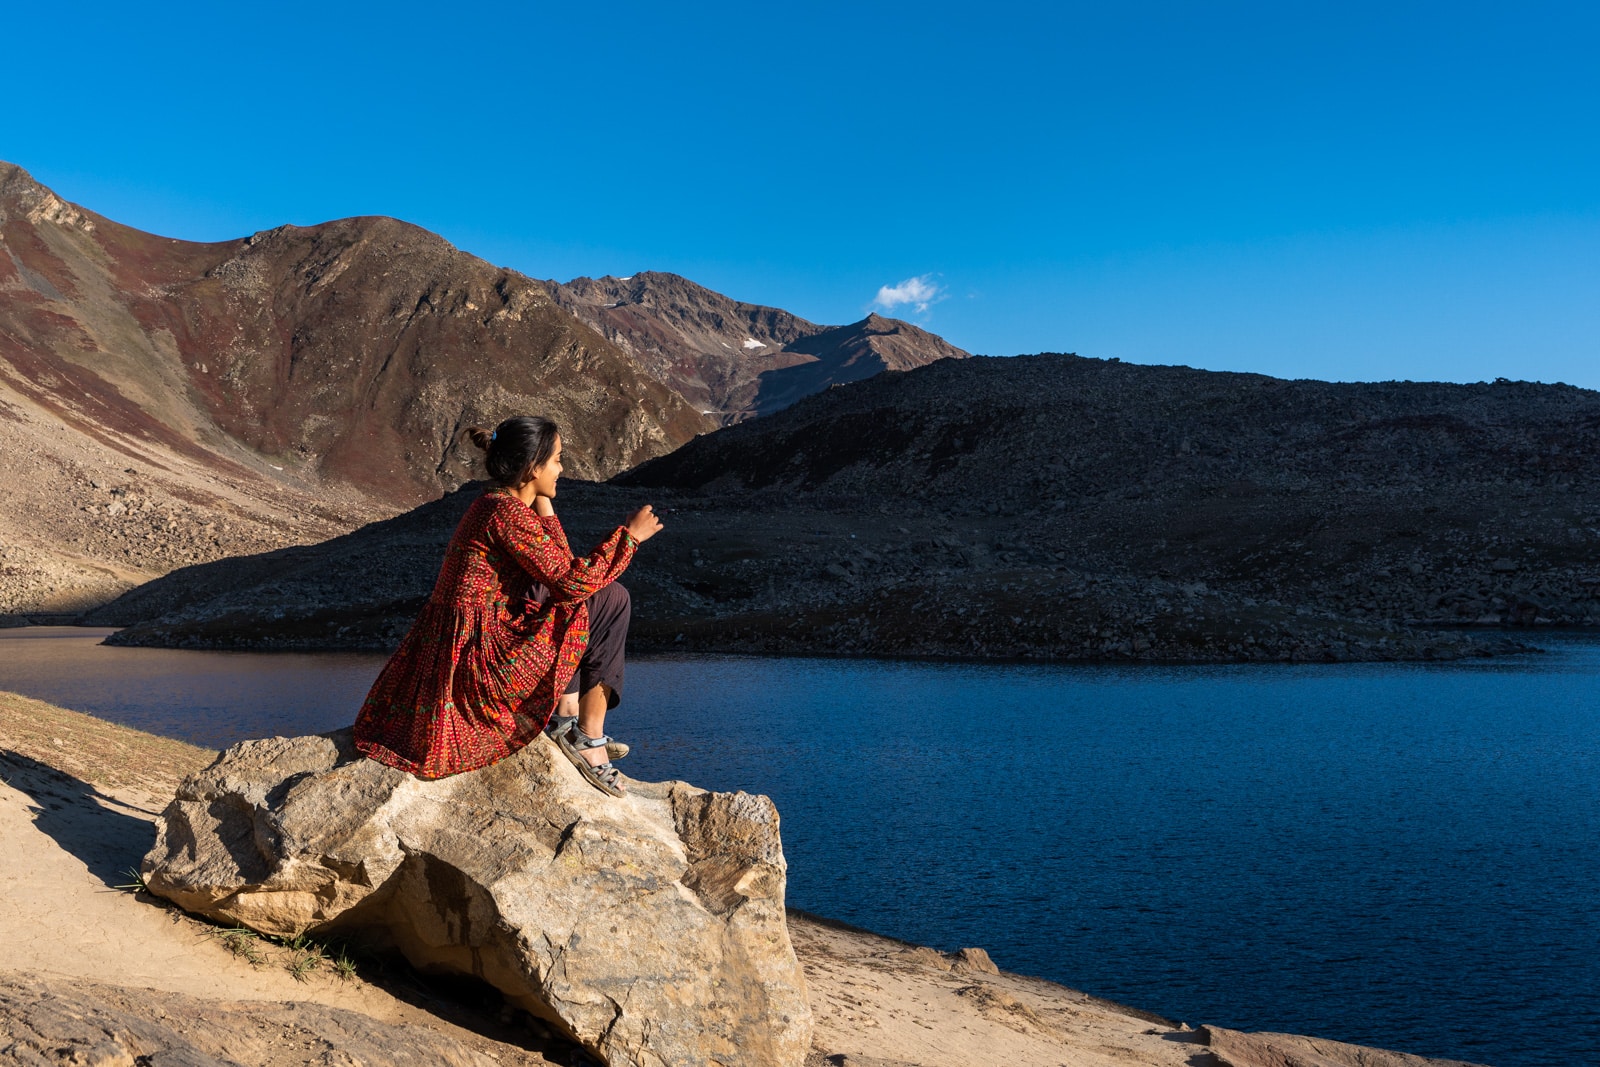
column 751, row 342
column 920, row 292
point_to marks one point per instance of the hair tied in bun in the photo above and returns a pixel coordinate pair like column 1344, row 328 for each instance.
column 514, row 446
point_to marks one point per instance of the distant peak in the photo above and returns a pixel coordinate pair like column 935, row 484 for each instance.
column 876, row 323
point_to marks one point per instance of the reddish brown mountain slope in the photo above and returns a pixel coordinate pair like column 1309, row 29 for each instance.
column 355, row 349
column 313, row 376
column 734, row 359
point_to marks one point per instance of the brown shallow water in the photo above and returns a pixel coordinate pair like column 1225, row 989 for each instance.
column 207, row 698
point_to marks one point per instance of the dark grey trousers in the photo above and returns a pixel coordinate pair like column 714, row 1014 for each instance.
column 604, row 662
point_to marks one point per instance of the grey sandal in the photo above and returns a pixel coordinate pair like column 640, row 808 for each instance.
column 560, row 724
column 604, row 776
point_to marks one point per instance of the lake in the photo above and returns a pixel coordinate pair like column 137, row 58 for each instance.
column 1398, row 855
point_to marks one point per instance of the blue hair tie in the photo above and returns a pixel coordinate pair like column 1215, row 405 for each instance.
column 493, row 435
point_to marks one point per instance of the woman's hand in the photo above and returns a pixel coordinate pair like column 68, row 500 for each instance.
column 543, row 506
column 643, row 524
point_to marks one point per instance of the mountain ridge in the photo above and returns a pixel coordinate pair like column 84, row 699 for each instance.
column 248, row 340
column 735, row 359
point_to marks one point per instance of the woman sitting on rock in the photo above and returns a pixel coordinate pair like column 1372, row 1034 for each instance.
column 516, row 626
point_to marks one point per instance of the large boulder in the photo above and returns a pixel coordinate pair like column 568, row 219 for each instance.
column 650, row 929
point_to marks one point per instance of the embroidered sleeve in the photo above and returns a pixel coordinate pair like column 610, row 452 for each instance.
column 539, row 545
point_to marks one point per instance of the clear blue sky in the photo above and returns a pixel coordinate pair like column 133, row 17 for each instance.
column 1347, row 191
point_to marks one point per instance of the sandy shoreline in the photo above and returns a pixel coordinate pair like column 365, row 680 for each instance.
column 78, row 800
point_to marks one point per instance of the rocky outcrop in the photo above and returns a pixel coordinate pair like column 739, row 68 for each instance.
column 650, row 929
column 1231, row 1048
column 50, row 1020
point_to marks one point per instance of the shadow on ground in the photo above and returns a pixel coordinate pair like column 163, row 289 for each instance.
column 97, row 829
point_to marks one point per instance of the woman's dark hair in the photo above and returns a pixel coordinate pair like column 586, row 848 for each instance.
column 515, row 445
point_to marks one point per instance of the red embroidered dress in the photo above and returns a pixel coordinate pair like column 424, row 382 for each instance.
column 477, row 676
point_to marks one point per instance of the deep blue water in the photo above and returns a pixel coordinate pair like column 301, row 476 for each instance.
column 1399, row 855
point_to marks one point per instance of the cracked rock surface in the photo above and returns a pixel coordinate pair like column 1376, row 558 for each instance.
column 48, row 1020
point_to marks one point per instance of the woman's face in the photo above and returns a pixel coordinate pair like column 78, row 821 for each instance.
column 543, row 478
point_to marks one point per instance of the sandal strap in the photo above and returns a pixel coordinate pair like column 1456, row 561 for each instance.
column 582, row 740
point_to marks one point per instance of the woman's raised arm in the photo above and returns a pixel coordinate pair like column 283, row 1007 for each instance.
column 539, row 546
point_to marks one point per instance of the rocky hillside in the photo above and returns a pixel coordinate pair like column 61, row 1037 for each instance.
column 1049, row 507
column 111, row 470
column 354, row 350
column 733, row 359
column 1394, row 501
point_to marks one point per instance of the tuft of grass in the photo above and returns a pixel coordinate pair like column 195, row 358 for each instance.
column 303, row 953
column 135, row 883
column 240, row 941
column 302, row 965
column 343, row 966
column 307, row 956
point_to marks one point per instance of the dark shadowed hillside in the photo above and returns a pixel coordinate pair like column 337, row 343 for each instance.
column 1066, row 508
column 1392, row 500
column 1030, row 432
